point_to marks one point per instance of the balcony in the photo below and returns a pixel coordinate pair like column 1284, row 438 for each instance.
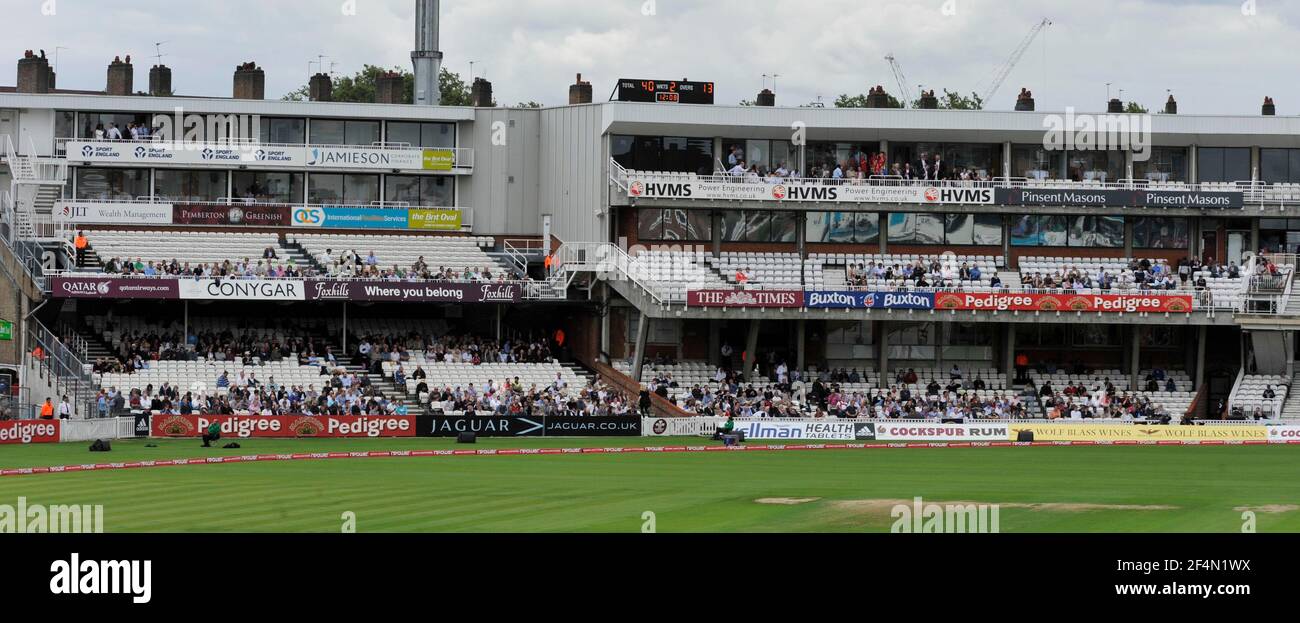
column 245, row 154
column 182, row 211
column 722, row 188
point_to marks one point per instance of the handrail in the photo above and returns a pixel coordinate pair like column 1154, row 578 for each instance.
column 603, row 257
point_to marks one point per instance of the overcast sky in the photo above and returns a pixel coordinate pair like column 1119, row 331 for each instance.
column 1217, row 56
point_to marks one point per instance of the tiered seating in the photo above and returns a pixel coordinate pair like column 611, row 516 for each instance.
column 128, row 325
column 192, row 247
column 1176, row 402
column 770, row 271
column 462, row 375
column 673, row 273
column 454, row 252
column 1250, row 393
column 987, row 265
column 201, row 376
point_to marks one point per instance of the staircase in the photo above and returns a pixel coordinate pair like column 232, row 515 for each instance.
column 388, row 388
column 1291, row 408
column 1010, row 278
column 836, row 277
column 302, row 259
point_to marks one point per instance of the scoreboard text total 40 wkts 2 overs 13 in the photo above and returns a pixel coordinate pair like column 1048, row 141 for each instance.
column 665, row 91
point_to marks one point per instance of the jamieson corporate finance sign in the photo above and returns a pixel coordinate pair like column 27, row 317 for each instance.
column 815, row 192
column 341, row 157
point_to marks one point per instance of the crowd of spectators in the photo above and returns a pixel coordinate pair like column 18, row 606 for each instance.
column 340, row 393
column 135, row 350
column 922, row 272
column 246, row 268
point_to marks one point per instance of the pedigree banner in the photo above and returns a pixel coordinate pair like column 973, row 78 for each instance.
column 1139, row 432
column 284, row 426
column 1127, row 303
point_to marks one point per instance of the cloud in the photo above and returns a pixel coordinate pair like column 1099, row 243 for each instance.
column 1215, row 59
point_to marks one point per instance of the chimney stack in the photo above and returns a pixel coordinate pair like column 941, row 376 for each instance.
column 877, row 97
column 1025, row 101
column 250, row 82
column 34, row 73
column 321, row 88
column 766, row 98
column 1268, row 109
column 160, row 81
column 1114, row 105
column 579, row 92
column 1171, row 106
column 929, row 101
column 121, row 77
column 481, row 94
column 389, row 88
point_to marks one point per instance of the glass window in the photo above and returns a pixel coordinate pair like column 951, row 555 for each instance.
column 785, row 226
column 65, row 123
column 284, row 130
column 929, row 229
column 337, row 188
column 362, row 132
column 1097, row 231
column 1040, row 231
column 1223, row 164
column 959, row 229
column 112, row 184
column 654, row 153
column 902, row 228
column 1279, row 166
column 733, row 226
column 1036, row 162
column 268, row 187
column 102, row 122
column 758, row 226
column 865, row 227
column 421, row 190
column 1165, row 164
column 1159, row 232
column 181, row 185
column 831, row 226
column 988, row 229
column 328, row 132
column 650, row 224
column 430, row 135
column 1095, row 166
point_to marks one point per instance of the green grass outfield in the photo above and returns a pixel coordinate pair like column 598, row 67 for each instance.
column 1180, row 489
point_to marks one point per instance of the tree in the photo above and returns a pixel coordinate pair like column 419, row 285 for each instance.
column 360, row 87
column 860, row 101
column 957, row 101
column 529, row 104
column 747, row 102
column 1135, row 107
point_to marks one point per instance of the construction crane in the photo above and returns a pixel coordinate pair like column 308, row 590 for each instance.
column 1004, row 70
column 901, row 79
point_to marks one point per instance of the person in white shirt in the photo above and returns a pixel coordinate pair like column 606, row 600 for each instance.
column 739, row 170
column 114, row 134
column 65, row 409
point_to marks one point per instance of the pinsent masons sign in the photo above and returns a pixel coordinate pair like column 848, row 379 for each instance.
column 242, row 289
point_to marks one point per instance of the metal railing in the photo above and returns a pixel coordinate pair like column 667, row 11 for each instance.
column 462, row 157
column 605, row 259
column 1253, row 191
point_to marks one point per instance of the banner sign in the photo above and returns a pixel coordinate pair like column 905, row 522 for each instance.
column 886, row 430
column 284, row 426
column 433, row 220
column 364, row 218
column 481, row 425
column 592, row 426
column 242, row 289
column 29, row 431
column 112, row 288
column 869, row 300
column 289, row 156
column 1129, row 303
column 115, row 213
column 1101, row 198
column 811, row 191
column 1284, row 433
column 421, row 292
column 744, row 298
column 262, row 215
column 1120, row 432
column 813, row 429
